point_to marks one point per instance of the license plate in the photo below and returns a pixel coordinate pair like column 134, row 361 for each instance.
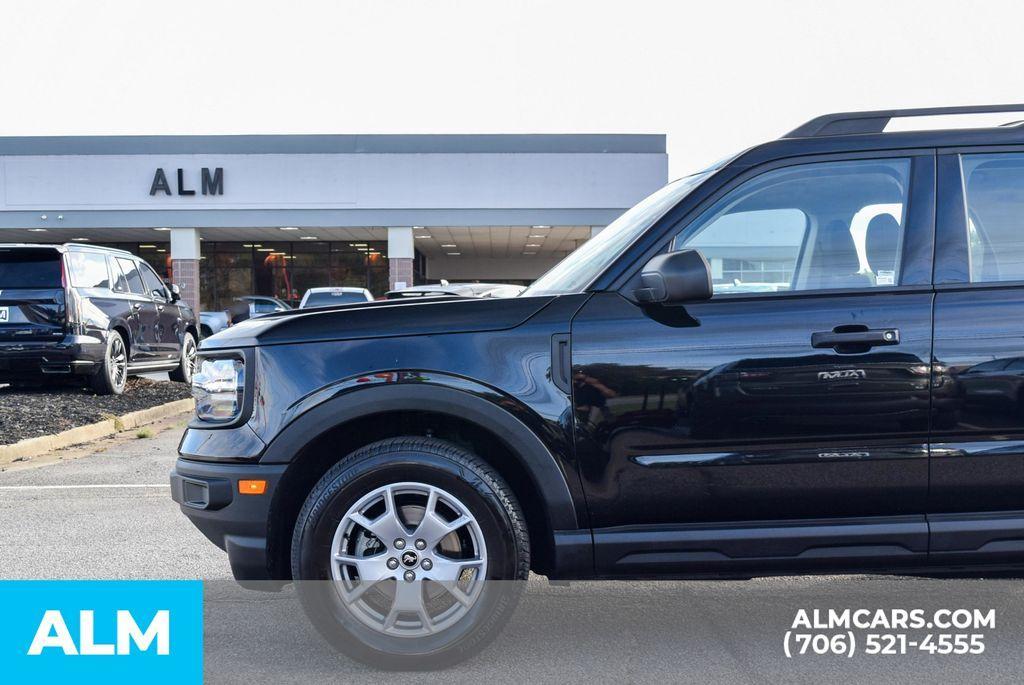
column 5, row 314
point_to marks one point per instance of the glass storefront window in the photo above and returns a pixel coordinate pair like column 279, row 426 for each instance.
column 278, row 269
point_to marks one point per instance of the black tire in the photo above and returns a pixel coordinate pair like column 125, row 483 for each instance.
column 112, row 375
column 439, row 464
column 186, row 360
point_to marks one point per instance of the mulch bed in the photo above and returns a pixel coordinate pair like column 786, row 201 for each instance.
column 29, row 413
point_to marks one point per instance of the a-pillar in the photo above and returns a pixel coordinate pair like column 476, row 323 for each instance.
column 400, row 257
column 185, row 254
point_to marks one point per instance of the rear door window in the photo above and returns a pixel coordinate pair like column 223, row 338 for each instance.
column 994, row 191
column 30, row 269
column 132, row 275
column 120, row 284
column 88, row 270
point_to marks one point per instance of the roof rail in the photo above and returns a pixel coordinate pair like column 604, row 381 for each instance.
column 843, row 123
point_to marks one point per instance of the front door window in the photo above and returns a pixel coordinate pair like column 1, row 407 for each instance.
column 823, row 226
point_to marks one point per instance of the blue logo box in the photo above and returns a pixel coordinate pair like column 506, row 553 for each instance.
column 97, row 631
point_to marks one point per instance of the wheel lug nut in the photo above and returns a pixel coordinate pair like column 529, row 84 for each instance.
column 421, row 544
column 392, row 563
column 410, row 576
column 399, row 543
column 427, row 564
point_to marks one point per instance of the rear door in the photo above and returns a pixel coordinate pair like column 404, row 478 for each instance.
column 976, row 507
column 167, row 342
column 143, row 314
column 33, row 306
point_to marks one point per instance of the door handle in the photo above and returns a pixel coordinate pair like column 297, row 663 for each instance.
column 137, row 306
column 855, row 338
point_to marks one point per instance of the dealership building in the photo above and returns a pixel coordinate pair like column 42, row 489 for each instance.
column 225, row 216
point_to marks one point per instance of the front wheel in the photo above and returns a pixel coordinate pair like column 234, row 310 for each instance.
column 112, row 375
column 410, row 553
column 187, row 362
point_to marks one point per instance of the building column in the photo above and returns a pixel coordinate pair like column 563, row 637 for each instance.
column 185, row 253
column 400, row 257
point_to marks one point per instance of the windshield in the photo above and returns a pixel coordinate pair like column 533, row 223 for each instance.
column 579, row 269
column 328, row 298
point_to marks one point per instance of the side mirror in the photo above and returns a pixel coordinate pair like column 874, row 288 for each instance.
column 675, row 278
column 175, row 292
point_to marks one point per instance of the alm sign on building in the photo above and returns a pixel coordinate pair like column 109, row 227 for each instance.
column 211, row 183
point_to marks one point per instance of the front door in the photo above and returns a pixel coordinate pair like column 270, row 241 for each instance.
column 784, row 421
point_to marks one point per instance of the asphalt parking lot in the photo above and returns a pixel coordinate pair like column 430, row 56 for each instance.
column 108, row 514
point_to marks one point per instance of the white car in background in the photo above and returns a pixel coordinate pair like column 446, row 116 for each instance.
column 446, row 289
column 215, row 322
column 325, row 297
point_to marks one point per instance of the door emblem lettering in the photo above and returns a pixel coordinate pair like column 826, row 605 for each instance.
column 838, row 375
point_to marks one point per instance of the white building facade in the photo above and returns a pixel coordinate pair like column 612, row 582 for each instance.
column 225, row 216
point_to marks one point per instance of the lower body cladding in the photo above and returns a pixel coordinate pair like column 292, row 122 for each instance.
column 237, row 523
column 71, row 355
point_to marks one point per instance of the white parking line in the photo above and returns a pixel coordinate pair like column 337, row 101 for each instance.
column 84, row 487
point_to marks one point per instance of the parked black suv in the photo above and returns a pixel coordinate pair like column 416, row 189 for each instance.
column 805, row 359
column 96, row 313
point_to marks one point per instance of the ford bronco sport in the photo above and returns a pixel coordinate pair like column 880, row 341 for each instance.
column 806, row 359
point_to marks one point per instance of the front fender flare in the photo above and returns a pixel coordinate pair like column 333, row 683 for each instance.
column 535, row 456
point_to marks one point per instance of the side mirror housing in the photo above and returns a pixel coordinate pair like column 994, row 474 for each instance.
column 175, row 292
column 675, row 278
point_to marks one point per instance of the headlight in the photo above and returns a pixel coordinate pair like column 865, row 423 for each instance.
column 218, row 385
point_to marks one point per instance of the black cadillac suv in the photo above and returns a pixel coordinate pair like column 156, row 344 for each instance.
column 92, row 313
column 801, row 360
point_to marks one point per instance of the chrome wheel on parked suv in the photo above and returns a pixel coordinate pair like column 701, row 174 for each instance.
column 187, row 362
column 410, row 553
column 112, row 375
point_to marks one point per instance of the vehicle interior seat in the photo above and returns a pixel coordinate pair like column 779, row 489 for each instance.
column 835, row 263
column 882, row 243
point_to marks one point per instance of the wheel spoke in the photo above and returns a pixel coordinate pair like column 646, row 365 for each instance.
column 447, row 572
column 388, row 526
column 433, row 528
column 371, row 570
column 409, row 600
column 358, row 589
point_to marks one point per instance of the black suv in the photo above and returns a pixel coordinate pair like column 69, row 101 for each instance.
column 806, row 359
column 96, row 313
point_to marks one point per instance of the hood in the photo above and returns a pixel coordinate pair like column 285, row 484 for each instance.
column 383, row 319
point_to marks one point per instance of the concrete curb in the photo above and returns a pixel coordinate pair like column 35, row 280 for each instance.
column 33, row 447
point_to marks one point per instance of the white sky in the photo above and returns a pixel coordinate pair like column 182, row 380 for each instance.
column 714, row 76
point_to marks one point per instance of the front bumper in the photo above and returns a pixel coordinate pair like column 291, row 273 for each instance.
column 73, row 354
column 208, row 495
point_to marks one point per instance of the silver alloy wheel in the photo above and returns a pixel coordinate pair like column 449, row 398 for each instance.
column 409, row 560
column 189, row 353
column 118, row 362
